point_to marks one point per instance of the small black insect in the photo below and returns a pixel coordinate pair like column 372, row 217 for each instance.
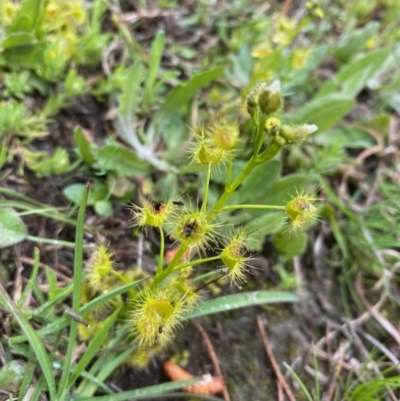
column 189, row 229
column 178, row 203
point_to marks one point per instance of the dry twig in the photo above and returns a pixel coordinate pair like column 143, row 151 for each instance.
column 212, row 355
column 273, row 361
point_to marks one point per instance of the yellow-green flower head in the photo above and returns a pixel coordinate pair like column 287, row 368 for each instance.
column 273, row 125
column 224, row 134
column 100, row 266
column 234, row 257
column 152, row 214
column 205, row 152
column 156, row 315
column 296, row 134
column 193, row 229
column 267, row 97
column 301, row 211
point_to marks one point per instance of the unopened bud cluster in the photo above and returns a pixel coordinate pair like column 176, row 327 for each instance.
column 213, row 145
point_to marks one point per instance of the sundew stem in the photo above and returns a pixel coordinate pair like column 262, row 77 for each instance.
column 229, row 171
column 205, row 195
column 196, row 262
column 170, row 268
column 161, row 258
column 265, row 207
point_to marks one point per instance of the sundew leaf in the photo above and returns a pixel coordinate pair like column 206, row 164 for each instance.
column 236, row 301
column 324, row 111
column 12, row 228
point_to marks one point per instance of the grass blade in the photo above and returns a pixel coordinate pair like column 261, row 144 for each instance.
column 142, row 393
column 33, row 338
column 78, row 261
column 94, row 346
column 236, row 301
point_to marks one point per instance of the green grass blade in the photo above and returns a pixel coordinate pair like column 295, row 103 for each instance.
column 33, row 338
column 142, row 393
column 102, row 362
column 94, row 346
column 107, row 296
column 78, row 261
column 29, row 371
column 235, row 301
column 33, row 277
column 299, row 381
column 63, row 322
column 108, row 369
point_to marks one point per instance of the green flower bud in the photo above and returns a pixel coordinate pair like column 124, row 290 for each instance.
column 296, row 134
column 267, row 97
column 224, row 135
column 273, row 125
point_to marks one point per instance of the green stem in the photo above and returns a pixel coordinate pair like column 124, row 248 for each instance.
column 170, row 268
column 161, row 257
column 196, row 262
column 258, row 141
column 205, row 195
column 120, row 276
column 233, row 207
column 228, row 191
column 229, row 171
column 273, row 148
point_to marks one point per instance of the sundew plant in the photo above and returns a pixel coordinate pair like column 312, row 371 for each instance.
column 164, row 300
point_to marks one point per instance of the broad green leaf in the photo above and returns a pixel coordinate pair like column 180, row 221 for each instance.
column 182, row 95
column 12, row 228
column 236, row 301
column 352, row 78
column 290, row 245
column 324, row 111
column 74, row 193
column 121, row 160
column 130, row 98
column 11, row 376
column 157, row 49
column 284, row 189
column 29, row 16
column 25, row 56
column 355, row 42
column 269, row 223
column 103, row 208
column 18, row 39
column 348, row 137
column 258, row 183
column 83, row 145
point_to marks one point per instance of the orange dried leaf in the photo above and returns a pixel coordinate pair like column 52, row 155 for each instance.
column 210, row 385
